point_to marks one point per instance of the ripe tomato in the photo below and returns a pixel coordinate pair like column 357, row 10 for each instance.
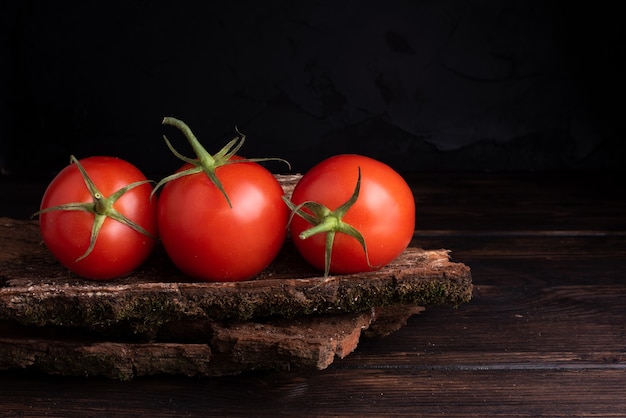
column 73, row 204
column 221, row 217
column 209, row 240
column 383, row 213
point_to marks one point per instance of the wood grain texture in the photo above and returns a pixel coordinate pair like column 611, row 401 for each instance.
column 543, row 336
column 157, row 321
column 35, row 288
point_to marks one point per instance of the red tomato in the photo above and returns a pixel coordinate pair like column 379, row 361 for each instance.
column 210, row 240
column 119, row 249
column 384, row 213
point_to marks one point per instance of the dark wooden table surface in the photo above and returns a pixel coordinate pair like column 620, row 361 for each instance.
column 545, row 334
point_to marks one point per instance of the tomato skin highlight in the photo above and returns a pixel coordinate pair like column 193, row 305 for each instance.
column 119, row 249
column 384, row 213
column 207, row 239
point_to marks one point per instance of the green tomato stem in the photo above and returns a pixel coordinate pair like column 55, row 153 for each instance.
column 100, row 206
column 98, row 221
column 205, row 162
column 329, row 222
column 204, row 157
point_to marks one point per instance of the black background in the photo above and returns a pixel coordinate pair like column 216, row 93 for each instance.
column 422, row 85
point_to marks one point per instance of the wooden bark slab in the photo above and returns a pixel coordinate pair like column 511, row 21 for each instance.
column 35, row 290
column 156, row 320
column 215, row 348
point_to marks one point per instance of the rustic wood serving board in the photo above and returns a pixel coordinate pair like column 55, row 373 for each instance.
column 157, row 321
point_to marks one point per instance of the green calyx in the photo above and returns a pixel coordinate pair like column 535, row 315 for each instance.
column 329, row 222
column 100, row 206
column 205, row 162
